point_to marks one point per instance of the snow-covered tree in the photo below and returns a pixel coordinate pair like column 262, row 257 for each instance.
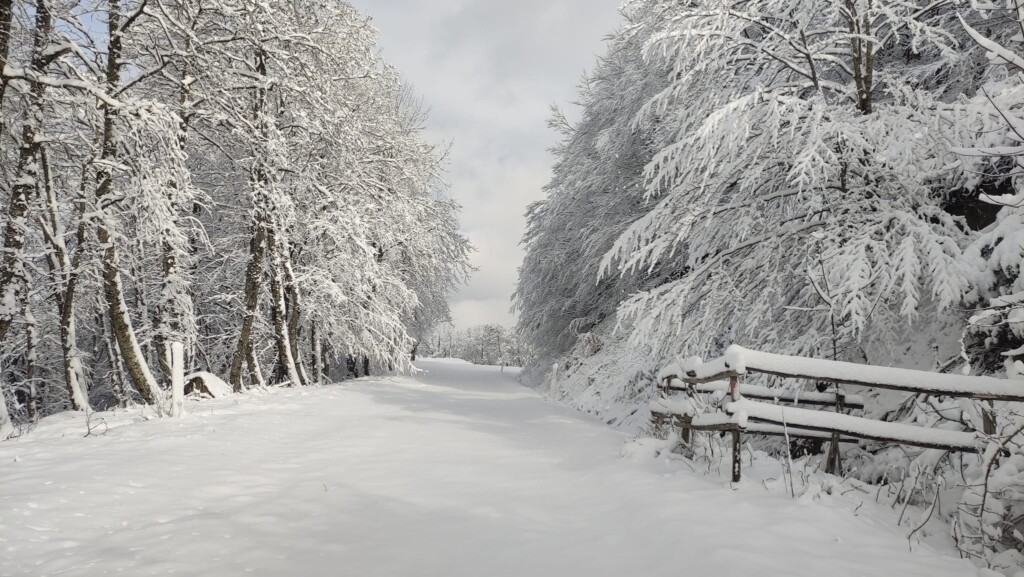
column 798, row 202
column 593, row 197
column 247, row 180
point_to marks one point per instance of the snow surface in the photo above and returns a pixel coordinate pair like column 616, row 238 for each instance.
column 456, row 471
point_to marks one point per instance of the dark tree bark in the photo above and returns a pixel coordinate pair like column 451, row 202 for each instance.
column 250, row 303
column 117, row 383
column 317, row 354
column 31, row 339
column 352, row 366
column 5, row 46
column 293, row 302
column 286, row 362
column 28, row 171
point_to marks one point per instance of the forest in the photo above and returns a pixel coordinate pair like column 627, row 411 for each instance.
column 247, row 180
column 838, row 180
column 489, row 344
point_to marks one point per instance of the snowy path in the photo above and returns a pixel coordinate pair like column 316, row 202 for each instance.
column 459, row 472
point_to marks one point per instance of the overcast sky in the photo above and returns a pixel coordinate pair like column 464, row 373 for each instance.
column 488, row 70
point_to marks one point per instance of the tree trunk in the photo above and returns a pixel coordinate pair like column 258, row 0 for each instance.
column 6, row 426
column 250, row 302
column 254, row 270
column 74, row 376
column 113, row 291
column 317, row 361
column 27, row 172
column 64, row 269
column 121, row 324
column 278, row 312
column 168, row 322
column 255, row 374
column 5, row 46
column 863, row 56
column 294, row 310
column 116, row 378
column 31, row 338
column 325, row 376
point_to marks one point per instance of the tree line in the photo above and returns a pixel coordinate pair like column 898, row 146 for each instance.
column 248, row 179
column 487, row 344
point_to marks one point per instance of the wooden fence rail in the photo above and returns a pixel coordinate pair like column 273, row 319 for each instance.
column 768, row 394
column 748, row 409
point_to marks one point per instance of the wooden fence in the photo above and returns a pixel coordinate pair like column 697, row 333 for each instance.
column 766, row 411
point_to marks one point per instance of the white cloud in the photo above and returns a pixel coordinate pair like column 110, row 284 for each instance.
column 488, row 71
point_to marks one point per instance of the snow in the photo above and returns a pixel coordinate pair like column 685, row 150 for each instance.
column 456, row 471
column 717, row 419
column 673, row 406
column 449, row 361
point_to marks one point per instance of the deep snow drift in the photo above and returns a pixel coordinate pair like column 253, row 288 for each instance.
column 457, row 471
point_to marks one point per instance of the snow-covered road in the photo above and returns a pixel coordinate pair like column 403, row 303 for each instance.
column 457, row 472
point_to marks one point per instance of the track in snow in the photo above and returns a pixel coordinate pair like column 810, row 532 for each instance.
column 457, row 472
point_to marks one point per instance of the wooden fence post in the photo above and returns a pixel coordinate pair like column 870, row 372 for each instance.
column 734, row 393
column 658, row 424
column 684, row 428
column 736, row 455
column 833, row 465
column 988, row 419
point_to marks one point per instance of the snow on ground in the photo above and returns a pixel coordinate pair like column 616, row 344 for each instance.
column 456, row 471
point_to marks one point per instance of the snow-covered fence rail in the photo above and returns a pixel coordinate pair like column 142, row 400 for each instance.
column 739, row 361
column 745, row 411
column 852, row 402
